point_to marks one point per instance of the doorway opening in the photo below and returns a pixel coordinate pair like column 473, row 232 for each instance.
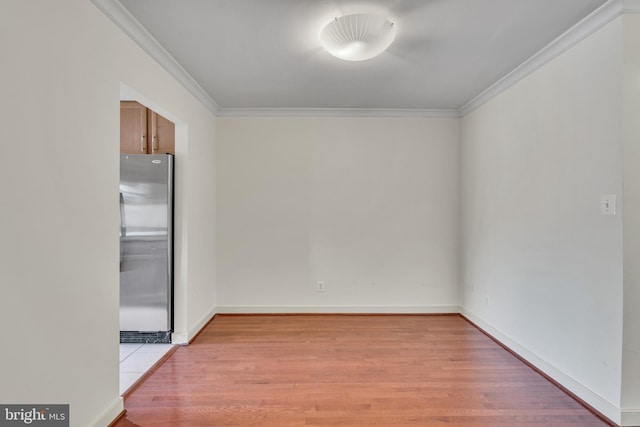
column 150, row 234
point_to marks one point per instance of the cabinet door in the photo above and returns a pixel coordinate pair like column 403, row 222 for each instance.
column 163, row 134
column 133, row 128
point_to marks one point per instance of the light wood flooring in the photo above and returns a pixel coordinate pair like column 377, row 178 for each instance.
column 348, row 370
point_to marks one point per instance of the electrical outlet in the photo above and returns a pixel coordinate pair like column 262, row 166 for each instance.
column 486, row 301
column 320, row 287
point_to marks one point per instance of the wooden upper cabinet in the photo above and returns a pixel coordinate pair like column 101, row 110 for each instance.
column 143, row 131
column 163, row 134
column 133, row 128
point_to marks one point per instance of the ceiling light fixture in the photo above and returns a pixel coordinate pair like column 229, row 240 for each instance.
column 357, row 37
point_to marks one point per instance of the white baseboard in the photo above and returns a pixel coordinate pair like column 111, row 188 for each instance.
column 183, row 338
column 601, row 405
column 630, row 417
column 178, row 338
column 322, row 309
column 109, row 414
column 201, row 324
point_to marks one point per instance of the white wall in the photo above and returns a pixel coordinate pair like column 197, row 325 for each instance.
column 542, row 268
column 631, row 347
column 367, row 205
column 63, row 63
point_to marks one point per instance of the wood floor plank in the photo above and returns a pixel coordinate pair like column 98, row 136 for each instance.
column 335, row 370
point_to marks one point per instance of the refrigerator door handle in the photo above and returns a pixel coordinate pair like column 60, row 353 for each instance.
column 123, row 228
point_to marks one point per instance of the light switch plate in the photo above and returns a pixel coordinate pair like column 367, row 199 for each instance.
column 608, row 204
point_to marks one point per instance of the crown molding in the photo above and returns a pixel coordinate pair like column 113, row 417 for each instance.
column 115, row 11
column 587, row 26
column 631, row 6
column 336, row 112
column 606, row 13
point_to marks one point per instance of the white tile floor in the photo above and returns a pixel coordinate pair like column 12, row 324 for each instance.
column 136, row 359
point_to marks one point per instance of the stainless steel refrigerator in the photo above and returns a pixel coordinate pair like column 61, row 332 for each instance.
column 146, row 247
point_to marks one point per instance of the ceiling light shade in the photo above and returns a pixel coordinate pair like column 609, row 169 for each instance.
column 357, row 37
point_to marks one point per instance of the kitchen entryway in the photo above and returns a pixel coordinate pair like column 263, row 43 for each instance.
column 137, row 359
column 147, row 148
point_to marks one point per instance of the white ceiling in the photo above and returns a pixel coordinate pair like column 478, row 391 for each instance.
column 266, row 53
